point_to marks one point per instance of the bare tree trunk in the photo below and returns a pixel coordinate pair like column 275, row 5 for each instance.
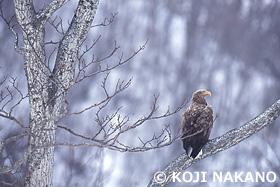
column 40, row 162
column 47, row 89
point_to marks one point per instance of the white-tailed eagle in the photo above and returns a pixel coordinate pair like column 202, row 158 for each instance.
column 197, row 122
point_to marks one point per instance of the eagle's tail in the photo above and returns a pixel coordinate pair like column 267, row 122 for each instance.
column 195, row 151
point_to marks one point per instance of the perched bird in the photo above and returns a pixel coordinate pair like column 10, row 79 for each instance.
column 197, row 122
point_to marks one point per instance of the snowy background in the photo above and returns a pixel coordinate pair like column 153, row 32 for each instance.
column 231, row 48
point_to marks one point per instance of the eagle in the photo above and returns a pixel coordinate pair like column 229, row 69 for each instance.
column 197, row 122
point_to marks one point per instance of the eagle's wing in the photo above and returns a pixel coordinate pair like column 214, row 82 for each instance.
column 203, row 125
column 189, row 127
column 186, row 129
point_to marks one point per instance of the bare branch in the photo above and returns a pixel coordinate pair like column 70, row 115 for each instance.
column 73, row 39
column 11, row 139
column 107, row 68
column 52, row 42
column 7, row 169
column 10, row 27
column 8, row 95
column 150, row 116
column 221, row 143
column 88, row 49
column 22, row 97
column 4, row 79
column 7, row 116
column 50, row 56
column 119, row 88
column 57, row 26
column 77, row 134
column 111, row 131
column 9, row 101
column 45, row 13
column 106, row 21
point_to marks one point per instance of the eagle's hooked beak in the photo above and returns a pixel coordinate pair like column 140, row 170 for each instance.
column 207, row 93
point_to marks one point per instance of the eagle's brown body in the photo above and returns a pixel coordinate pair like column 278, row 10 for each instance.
column 197, row 122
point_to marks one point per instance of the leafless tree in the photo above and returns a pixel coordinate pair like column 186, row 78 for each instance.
column 47, row 90
column 242, row 46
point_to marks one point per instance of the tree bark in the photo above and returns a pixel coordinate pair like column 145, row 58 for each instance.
column 47, row 89
column 40, row 162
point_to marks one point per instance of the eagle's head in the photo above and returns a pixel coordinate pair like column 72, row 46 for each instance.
column 199, row 96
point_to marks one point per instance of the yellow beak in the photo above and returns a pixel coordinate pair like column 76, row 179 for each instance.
column 207, row 93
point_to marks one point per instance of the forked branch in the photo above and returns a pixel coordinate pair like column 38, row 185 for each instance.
column 113, row 126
